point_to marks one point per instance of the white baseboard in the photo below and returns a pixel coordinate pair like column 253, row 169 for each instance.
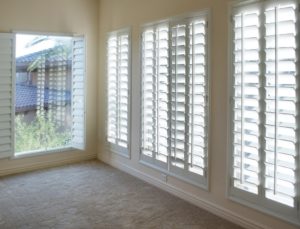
column 45, row 164
column 213, row 208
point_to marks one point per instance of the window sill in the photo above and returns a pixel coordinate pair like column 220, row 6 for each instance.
column 41, row 152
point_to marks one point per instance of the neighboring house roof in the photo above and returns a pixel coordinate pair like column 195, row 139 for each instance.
column 24, row 61
column 26, row 97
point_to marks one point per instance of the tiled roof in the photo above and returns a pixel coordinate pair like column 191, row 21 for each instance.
column 26, row 97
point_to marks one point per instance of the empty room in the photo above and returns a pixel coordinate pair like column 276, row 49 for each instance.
column 149, row 114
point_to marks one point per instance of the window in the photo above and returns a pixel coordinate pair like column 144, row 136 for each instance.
column 118, row 82
column 43, row 93
column 264, row 144
column 175, row 98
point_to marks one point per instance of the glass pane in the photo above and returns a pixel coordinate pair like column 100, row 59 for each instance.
column 43, row 92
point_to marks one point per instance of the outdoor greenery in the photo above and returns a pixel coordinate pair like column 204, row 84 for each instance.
column 40, row 134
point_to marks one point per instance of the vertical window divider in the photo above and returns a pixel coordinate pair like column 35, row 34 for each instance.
column 276, row 100
column 169, row 94
column 262, row 81
column 297, row 199
column 193, row 92
column 175, row 123
column 242, row 99
column 118, row 88
column 187, row 96
column 154, row 70
column 157, row 94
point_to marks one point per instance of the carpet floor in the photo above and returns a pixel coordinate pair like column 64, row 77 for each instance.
column 94, row 195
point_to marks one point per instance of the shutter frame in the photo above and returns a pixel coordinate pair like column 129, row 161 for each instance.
column 79, row 134
column 115, row 147
column 7, row 99
column 262, row 204
column 149, row 160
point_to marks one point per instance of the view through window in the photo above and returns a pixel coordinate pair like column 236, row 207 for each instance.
column 43, row 86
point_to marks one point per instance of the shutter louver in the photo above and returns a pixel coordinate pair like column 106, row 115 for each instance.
column 7, row 67
column 118, row 92
column 246, row 101
column 280, row 125
column 78, row 93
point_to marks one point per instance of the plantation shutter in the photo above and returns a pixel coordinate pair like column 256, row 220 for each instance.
column 246, row 101
column 189, row 99
column 281, row 99
column 155, row 96
column 78, row 93
column 265, row 141
column 175, row 98
column 7, row 70
column 118, row 73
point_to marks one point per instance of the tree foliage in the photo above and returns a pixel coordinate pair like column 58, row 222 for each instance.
column 40, row 134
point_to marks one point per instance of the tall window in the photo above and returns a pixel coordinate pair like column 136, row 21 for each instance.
column 175, row 98
column 118, row 97
column 44, row 95
column 264, row 145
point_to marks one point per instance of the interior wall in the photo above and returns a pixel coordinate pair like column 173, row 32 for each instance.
column 57, row 16
column 116, row 14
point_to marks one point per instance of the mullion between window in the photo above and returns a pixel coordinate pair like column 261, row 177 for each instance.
column 157, row 48
column 187, row 90
column 262, row 104
column 242, row 100
column 297, row 198
column 118, row 91
column 155, row 91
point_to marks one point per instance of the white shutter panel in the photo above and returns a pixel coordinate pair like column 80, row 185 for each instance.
column 7, row 70
column 189, row 108
column 118, row 72
column 246, row 97
column 265, row 120
column 155, row 95
column 281, row 99
column 78, row 93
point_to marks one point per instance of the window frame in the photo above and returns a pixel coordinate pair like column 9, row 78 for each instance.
column 257, row 202
column 66, row 148
column 110, row 147
column 143, row 159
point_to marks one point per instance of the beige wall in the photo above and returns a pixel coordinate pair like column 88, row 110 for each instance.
column 57, row 16
column 116, row 14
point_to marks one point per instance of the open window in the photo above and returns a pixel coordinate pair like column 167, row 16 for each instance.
column 43, row 96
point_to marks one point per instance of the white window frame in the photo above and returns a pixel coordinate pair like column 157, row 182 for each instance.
column 257, row 202
column 193, row 179
column 72, row 146
column 113, row 148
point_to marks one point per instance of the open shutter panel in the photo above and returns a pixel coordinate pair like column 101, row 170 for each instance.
column 280, row 124
column 7, row 67
column 246, row 101
column 155, row 87
column 189, row 98
column 78, row 93
column 118, row 72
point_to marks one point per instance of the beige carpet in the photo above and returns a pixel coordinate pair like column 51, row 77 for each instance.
column 94, row 195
